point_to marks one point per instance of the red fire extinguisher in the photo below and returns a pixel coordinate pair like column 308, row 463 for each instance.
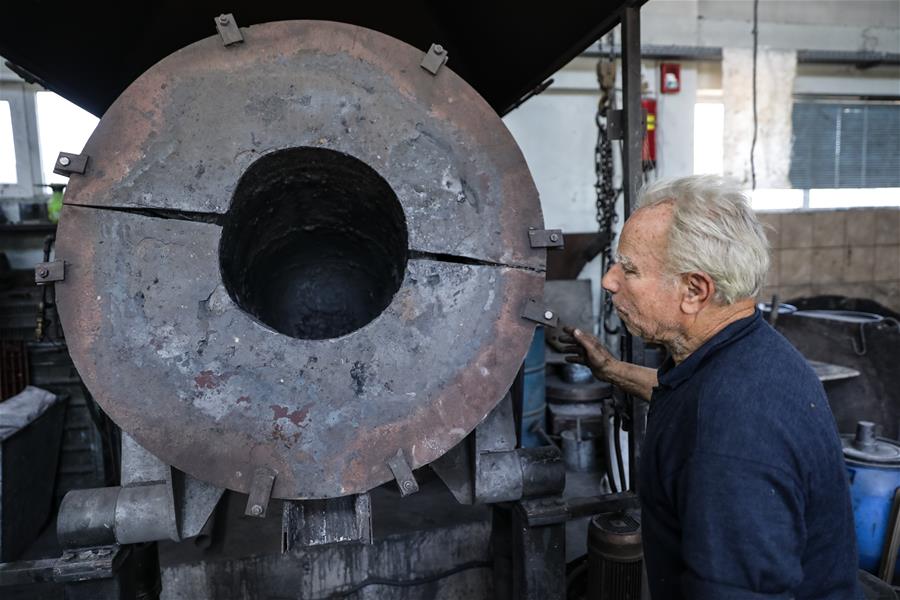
column 648, row 154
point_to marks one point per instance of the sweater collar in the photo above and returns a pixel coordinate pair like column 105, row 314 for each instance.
column 671, row 375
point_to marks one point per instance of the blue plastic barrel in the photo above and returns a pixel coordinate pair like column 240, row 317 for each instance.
column 872, row 492
column 534, row 406
column 874, row 468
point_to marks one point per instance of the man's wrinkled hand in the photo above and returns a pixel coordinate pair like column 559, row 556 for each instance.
column 585, row 349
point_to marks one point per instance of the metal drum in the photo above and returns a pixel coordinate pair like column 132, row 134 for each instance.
column 574, row 405
column 304, row 253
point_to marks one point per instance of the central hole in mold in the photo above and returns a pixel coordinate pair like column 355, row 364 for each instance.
column 314, row 244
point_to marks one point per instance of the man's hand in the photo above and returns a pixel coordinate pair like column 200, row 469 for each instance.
column 587, row 350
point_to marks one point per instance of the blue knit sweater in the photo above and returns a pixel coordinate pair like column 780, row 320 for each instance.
column 743, row 487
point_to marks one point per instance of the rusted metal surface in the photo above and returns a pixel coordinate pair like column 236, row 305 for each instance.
column 182, row 134
column 210, row 389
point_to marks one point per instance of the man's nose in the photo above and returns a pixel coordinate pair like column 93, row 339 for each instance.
column 610, row 281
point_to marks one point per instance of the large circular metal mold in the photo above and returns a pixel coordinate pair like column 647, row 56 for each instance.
column 314, row 244
column 170, row 248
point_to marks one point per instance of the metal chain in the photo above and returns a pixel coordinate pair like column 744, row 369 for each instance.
column 607, row 194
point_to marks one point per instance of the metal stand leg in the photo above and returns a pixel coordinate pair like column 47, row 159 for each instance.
column 501, row 549
column 539, row 559
column 528, row 541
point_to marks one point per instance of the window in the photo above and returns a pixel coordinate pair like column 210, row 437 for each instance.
column 845, row 145
column 846, row 153
column 776, row 199
column 62, row 127
column 853, row 197
column 709, row 126
column 7, row 146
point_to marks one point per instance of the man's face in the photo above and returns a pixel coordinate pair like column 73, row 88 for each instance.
column 647, row 299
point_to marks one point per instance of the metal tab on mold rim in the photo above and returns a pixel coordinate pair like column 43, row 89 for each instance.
column 434, row 59
column 546, row 238
column 403, row 474
column 48, row 272
column 67, row 164
column 537, row 312
column 260, row 492
column 228, row 29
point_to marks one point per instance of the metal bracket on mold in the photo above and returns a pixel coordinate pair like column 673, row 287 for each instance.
column 68, row 164
column 406, row 481
column 228, row 29
column 434, row 59
column 48, row 272
column 545, row 238
column 260, row 492
column 537, row 312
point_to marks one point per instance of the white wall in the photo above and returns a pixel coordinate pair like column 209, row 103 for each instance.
column 556, row 133
column 674, row 120
column 872, row 25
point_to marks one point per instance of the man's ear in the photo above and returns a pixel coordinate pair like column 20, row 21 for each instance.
column 699, row 289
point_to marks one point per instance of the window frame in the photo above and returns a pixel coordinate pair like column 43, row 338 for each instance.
column 843, row 102
column 24, row 126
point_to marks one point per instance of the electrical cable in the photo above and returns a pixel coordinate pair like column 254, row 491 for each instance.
column 608, row 450
column 755, row 123
column 617, row 428
column 606, row 193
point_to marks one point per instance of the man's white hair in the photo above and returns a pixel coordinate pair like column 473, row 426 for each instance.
column 715, row 231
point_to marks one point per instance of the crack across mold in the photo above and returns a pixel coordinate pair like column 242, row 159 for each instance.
column 219, row 219
column 466, row 260
column 162, row 213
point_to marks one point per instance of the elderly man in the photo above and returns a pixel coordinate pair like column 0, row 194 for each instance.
column 743, row 487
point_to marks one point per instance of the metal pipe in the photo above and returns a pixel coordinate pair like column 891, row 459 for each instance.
column 543, row 471
column 144, row 514
column 633, row 114
column 864, row 59
column 129, row 515
column 87, row 518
